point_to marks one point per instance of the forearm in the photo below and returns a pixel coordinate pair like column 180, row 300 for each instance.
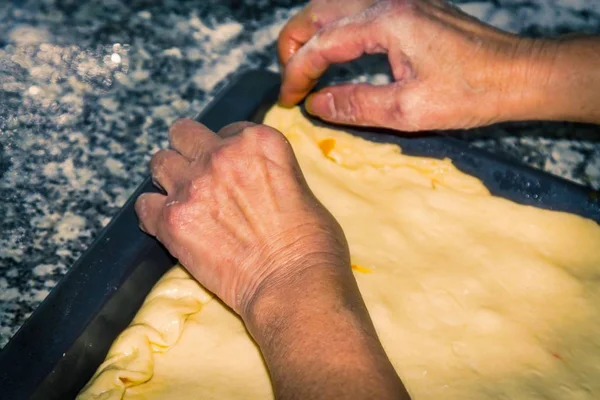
column 554, row 79
column 318, row 342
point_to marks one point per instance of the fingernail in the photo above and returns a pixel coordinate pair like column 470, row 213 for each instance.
column 321, row 104
column 155, row 183
column 142, row 228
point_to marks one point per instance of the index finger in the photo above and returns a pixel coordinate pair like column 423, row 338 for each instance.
column 317, row 14
column 234, row 128
column 339, row 42
column 190, row 138
column 298, row 30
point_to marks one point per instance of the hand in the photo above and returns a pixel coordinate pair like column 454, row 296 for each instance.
column 238, row 213
column 450, row 70
column 240, row 217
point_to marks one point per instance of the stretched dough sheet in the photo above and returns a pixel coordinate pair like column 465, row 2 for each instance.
column 473, row 296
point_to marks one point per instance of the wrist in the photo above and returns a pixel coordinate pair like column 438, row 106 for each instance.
column 276, row 305
column 318, row 331
column 524, row 79
column 552, row 79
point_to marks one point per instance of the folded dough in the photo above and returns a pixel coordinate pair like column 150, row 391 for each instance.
column 473, row 296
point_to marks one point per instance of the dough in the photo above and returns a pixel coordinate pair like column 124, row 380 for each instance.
column 473, row 296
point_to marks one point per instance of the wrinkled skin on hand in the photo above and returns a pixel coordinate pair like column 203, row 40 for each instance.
column 450, row 70
column 238, row 213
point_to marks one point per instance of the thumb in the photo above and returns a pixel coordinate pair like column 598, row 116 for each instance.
column 359, row 104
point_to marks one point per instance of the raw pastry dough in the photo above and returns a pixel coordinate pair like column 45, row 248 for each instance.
column 473, row 296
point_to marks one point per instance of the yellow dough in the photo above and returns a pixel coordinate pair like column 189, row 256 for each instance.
column 473, row 296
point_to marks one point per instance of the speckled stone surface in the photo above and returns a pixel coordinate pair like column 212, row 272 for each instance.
column 88, row 89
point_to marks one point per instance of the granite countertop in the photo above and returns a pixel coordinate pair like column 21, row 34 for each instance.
column 89, row 88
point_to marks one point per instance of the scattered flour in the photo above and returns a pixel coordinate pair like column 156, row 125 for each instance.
column 480, row 10
column 10, row 294
column 25, row 35
column 109, row 104
column 222, row 65
column 115, row 166
column 69, row 227
column 39, row 295
column 173, row 52
column 140, row 75
column 77, row 177
column 592, row 170
column 45, row 269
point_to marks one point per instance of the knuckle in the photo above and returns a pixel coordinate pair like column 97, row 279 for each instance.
column 224, row 156
column 182, row 124
column 176, row 128
column 324, row 38
column 265, row 138
column 234, row 129
column 397, row 109
column 141, row 206
column 227, row 162
column 174, row 217
column 158, row 162
column 411, row 116
column 256, row 132
column 326, row 34
column 285, row 33
column 397, row 112
column 197, row 187
column 355, row 103
column 237, row 158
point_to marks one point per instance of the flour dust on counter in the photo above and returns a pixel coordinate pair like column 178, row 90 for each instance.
column 89, row 88
column 473, row 296
column 88, row 92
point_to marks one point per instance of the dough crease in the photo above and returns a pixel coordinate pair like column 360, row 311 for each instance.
column 473, row 296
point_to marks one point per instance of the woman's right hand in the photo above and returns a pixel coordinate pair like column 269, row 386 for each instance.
column 450, row 70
